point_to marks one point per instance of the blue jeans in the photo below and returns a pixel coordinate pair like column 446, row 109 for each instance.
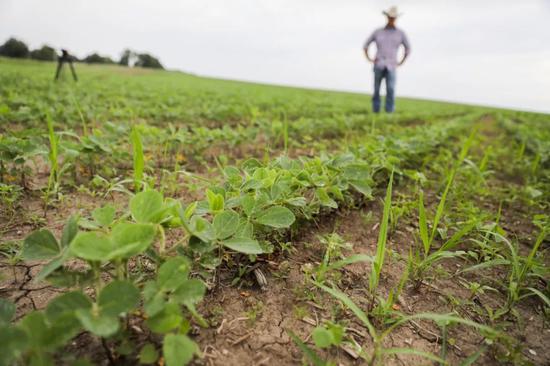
column 389, row 75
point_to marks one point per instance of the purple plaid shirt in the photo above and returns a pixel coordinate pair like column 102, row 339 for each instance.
column 388, row 40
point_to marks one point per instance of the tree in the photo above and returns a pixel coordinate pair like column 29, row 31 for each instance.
column 127, row 57
column 146, row 60
column 46, row 53
column 14, row 48
column 95, row 58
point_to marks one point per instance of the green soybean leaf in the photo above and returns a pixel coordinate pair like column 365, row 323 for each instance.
column 200, row 245
column 69, row 231
column 144, row 206
column 190, row 210
column 155, row 304
column 65, row 328
column 225, row 224
column 104, row 215
column 61, row 314
column 363, row 187
column 97, row 323
column 92, row 246
column 215, row 201
column 131, row 239
column 325, row 199
column 202, row 229
column 168, row 319
column 118, row 297
column 178, row 349
column 189, row 292
column 148, row 354
column 63, row 277
column 361, row 172
column 13, row 342
column 248, row 203
column 297, row 201
column 244, row 245
column 173, row 273
column 245, row 230
column 54, row 264
column 7, row 311
column 41, row 244
column 68, row 302
column 36, row 327
column 322, row 337
column 277, row 217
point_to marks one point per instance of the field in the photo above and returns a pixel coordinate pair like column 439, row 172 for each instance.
column 158, row 217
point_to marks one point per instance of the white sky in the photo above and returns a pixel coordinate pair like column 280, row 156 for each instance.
column 492, row 52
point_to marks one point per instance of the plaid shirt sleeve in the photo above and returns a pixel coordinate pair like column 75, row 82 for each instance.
column 370, row 40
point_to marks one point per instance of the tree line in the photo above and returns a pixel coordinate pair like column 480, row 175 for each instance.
column 18, row 49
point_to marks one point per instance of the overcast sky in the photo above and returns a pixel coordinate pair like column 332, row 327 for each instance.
column 492, row 52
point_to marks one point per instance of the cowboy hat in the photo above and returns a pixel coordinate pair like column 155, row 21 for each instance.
column 391, row 12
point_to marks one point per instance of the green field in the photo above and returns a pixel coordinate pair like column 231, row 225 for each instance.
column 158, row 217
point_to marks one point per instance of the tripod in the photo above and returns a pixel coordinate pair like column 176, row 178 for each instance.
column 65, row 58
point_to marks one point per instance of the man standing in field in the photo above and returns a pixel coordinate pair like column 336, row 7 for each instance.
column 388, row 40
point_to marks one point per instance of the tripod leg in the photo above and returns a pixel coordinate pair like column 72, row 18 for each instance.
column 59, row 66
column 73, row 71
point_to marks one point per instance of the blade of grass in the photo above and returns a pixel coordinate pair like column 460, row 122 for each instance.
column 349, row 260
column 542, row 296
column 440, row 318
column 441, row 206
column 529, row 262
column 422, row 223
column 54, row 165
column 473, row 357
column 138, row 158
column 350, row 305
column 382, row 238
column 454, row 240
column 487, row 264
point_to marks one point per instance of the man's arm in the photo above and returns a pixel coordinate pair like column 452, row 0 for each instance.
column 366, row 46
column 407, row 46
